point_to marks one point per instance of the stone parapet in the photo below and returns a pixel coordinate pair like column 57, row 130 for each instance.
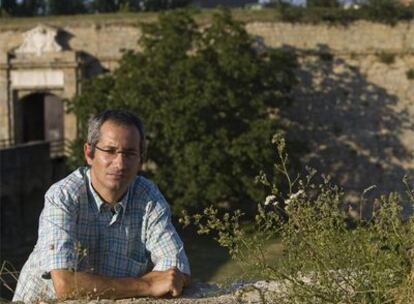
column 359, row 37
column 107, row 42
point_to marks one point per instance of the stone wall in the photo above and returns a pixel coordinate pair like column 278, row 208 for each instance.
column 99, row 43
column 106, row 41
column 354, row 104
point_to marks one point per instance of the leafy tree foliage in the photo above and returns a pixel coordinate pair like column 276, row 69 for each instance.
column 322, row 3
column 9, row 6
column 59, row 7
column 205, row 95
column 156, row 5
column 30, row 7
column 104, row 6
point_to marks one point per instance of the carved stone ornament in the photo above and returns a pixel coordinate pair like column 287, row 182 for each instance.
column 39, row 40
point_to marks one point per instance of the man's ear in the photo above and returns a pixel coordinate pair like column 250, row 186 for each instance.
column 88, row 153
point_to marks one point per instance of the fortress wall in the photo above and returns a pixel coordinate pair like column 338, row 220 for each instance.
column 354, row 104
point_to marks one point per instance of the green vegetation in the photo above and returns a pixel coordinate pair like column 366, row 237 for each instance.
column 329, row 257
column 318, row 11
column 389, row 12
column 322, row 3
column 58, row 7
column 387, row 58
column 205, row 96
column 410, row 74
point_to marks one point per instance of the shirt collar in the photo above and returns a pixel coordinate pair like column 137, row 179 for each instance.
column 99, row 202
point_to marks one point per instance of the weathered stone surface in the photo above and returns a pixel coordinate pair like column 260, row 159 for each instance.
column 203, row 293
column 39, row 40
column 37, row 78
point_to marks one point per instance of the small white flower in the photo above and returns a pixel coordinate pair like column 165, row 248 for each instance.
column 287, row 202
column 269, row 199
column 296, row 195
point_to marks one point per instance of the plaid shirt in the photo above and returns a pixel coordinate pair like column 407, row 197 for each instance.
column 78, row 231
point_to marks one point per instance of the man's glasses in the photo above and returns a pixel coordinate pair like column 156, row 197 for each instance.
column 111, row 153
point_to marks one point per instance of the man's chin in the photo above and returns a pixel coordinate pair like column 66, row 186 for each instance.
column 115, row 186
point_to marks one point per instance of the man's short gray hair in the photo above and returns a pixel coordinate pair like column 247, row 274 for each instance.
column 120, row 117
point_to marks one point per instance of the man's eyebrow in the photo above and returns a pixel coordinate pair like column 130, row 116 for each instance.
column 109, row 147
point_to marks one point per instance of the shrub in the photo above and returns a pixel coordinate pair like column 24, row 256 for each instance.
column 387, row 11
column 318, row 15
column 322, row 3
column 204, row 96
column 319, row 11
column 387, row 58
column 410, row 74
column 329, row 257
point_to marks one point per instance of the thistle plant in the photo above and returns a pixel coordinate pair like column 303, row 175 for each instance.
column 329, row 257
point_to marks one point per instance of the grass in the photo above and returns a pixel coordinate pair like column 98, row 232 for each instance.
column 212, row 263
column 8, row 279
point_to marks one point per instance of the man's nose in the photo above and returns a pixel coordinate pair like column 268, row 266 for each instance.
column 120, row 160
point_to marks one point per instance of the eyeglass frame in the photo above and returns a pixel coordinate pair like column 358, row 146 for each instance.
column 112, row 152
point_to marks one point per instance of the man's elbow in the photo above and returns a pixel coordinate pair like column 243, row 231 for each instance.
column 187, row 279
column 63, row 282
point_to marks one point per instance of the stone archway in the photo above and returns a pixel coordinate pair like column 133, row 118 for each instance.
column 41, row 118
column 40, row 73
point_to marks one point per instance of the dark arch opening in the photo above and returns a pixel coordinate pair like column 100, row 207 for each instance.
column 33, row 117
column 42, row 117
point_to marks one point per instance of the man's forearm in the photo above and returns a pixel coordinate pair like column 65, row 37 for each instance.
column 70, row 284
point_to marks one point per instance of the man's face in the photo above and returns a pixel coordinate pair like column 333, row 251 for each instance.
column 116, row 160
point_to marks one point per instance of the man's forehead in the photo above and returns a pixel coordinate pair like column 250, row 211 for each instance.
column 113, row 133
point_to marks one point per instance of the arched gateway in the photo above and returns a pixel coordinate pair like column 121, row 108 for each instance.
column 40, row 75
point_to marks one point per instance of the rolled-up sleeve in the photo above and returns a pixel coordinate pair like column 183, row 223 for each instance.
column 163, row 242
column 57, row 232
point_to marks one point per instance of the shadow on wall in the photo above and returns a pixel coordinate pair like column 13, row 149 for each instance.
column 352, row 126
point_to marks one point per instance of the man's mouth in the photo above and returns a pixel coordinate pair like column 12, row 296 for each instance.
column 117, row 175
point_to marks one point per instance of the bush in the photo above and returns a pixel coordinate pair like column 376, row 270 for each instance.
column 204, row 95
column 410, row 74
column 329, row 257
column 157, row 5
column 387, row 11
column 322, row 3
column 383, row 11
column 386, row 58
column 318, row 15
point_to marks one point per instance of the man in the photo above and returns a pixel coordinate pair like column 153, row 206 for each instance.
column 102, row 226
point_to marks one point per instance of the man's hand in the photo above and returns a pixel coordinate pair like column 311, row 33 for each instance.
column 161, row 283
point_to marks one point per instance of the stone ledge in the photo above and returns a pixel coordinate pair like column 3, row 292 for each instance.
column 203, row 293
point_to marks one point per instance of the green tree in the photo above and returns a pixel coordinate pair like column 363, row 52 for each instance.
column 156, row 5
column 9, row 6
column 205, row 97
column 390, row 11
column 29, row 7
column 322, row 3
column 104, row 6
column 58, row 7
